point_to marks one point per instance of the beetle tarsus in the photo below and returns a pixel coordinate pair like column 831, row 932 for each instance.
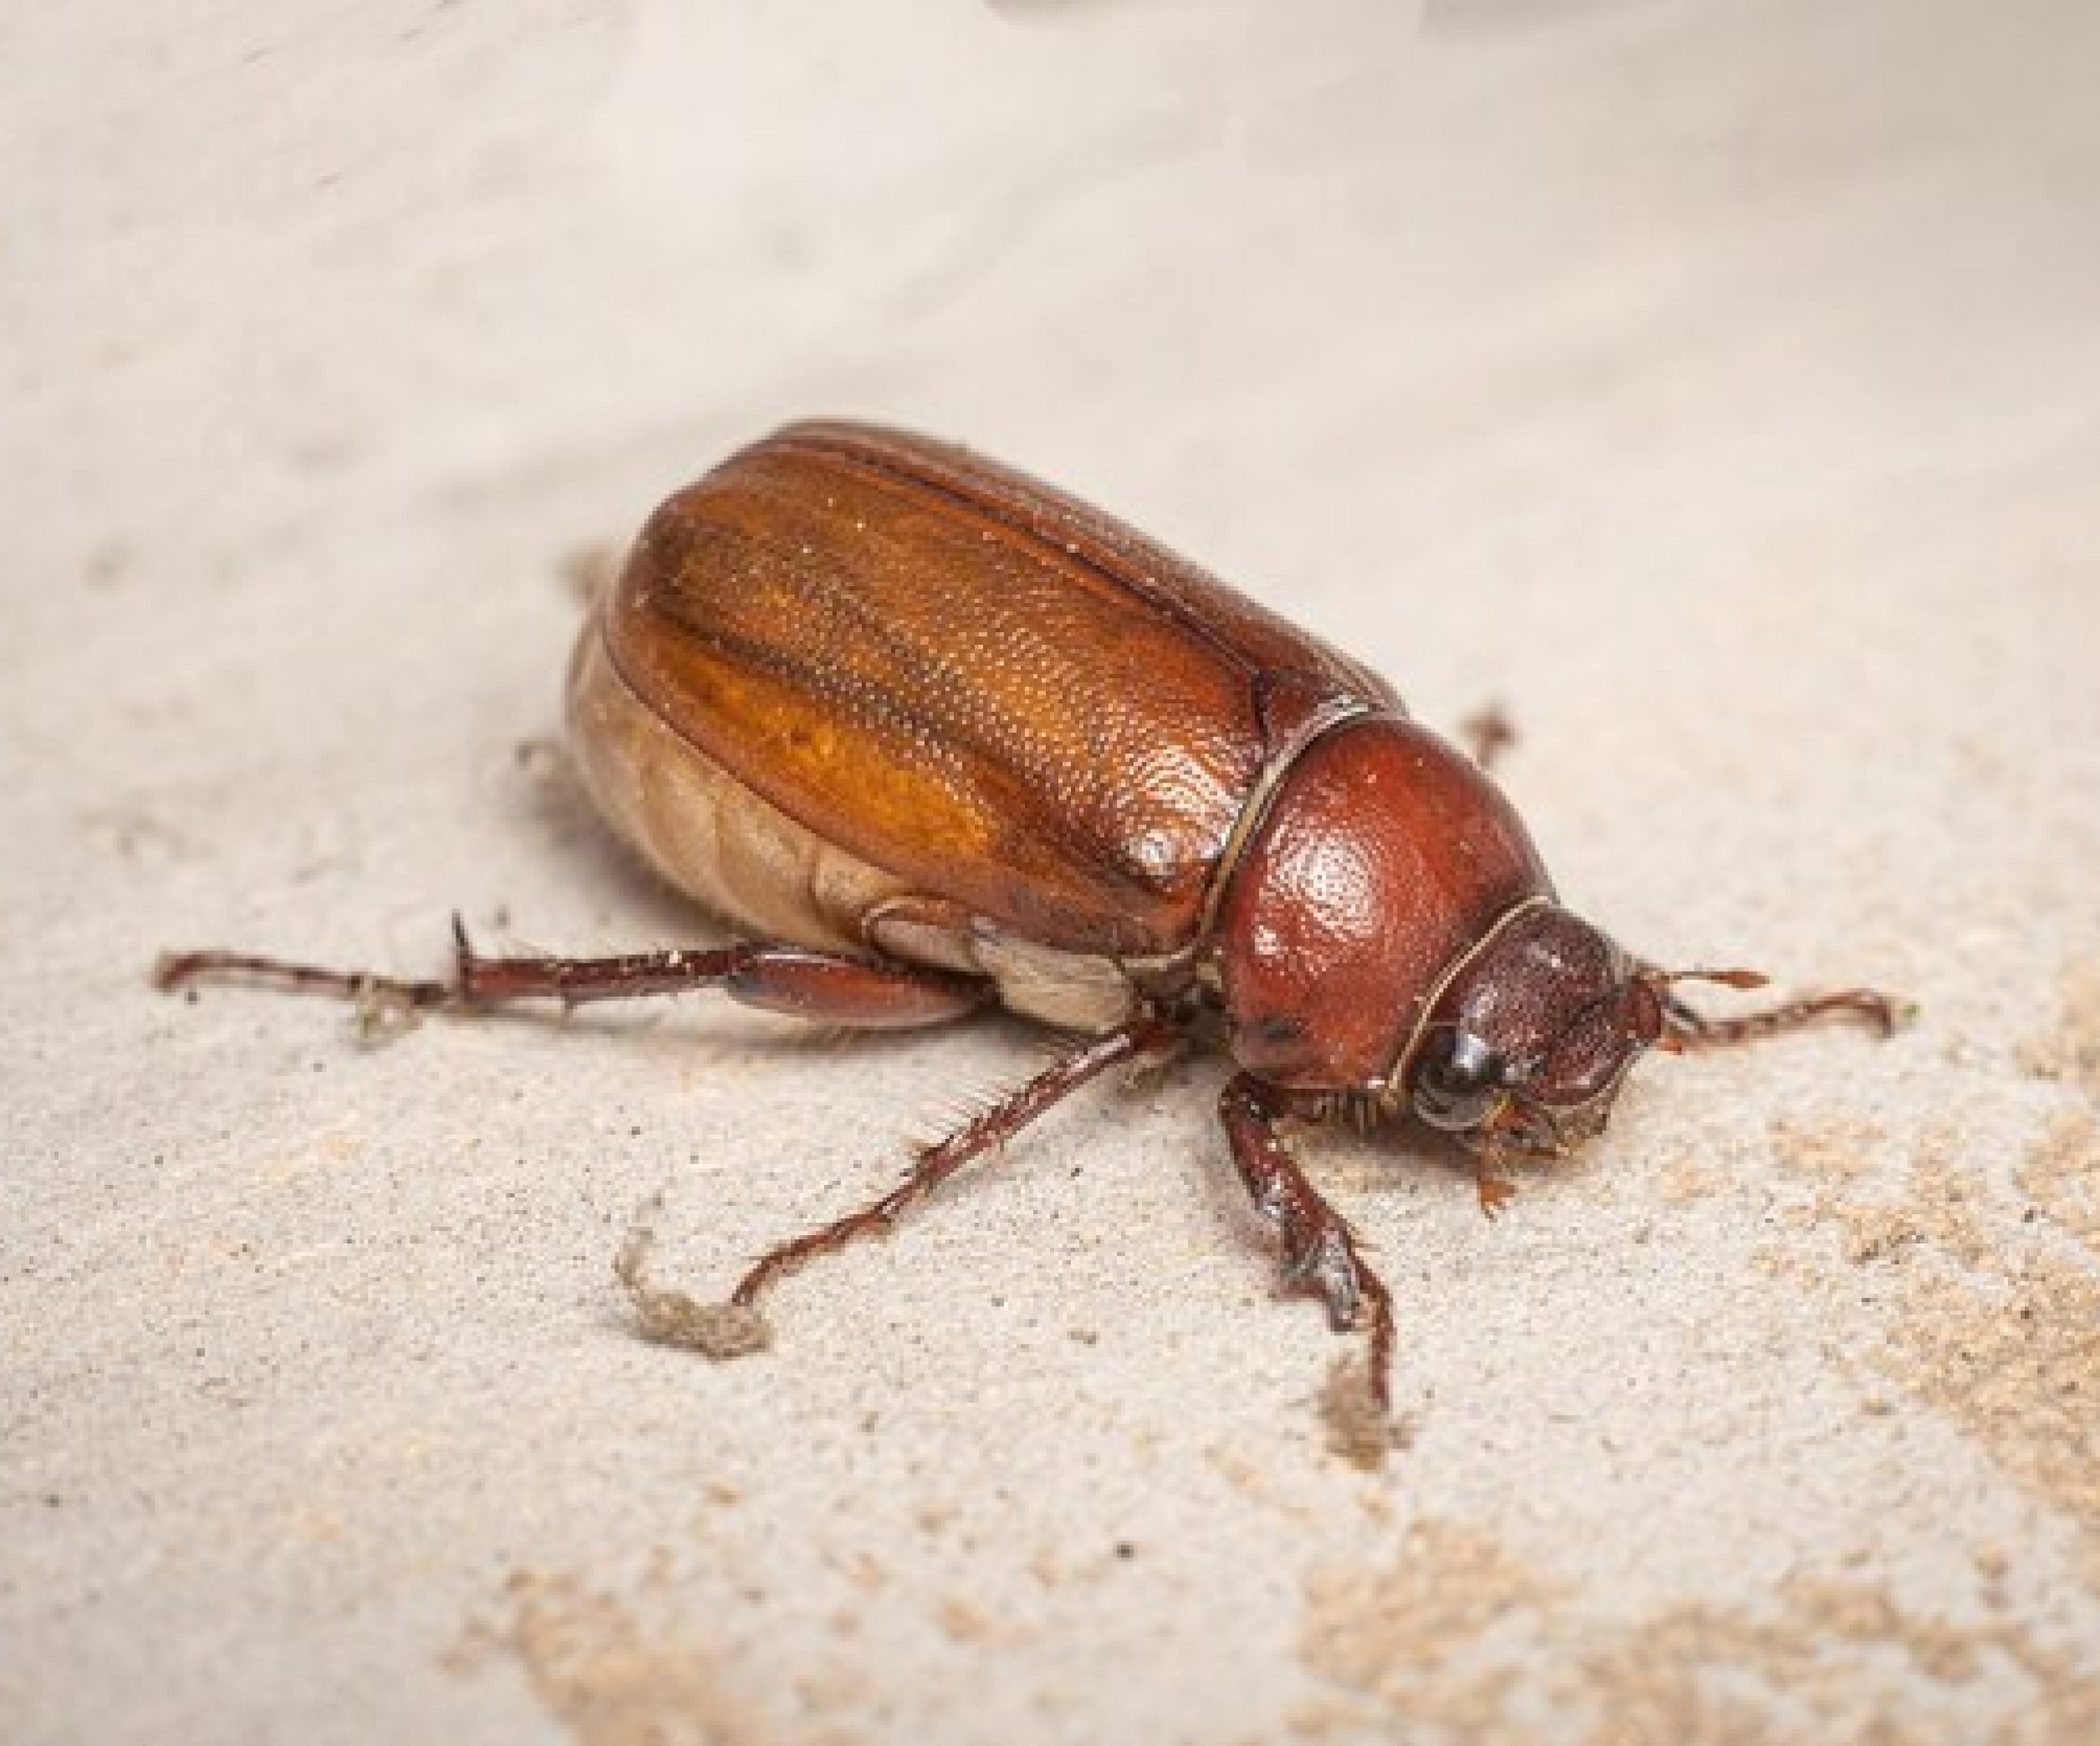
column 1495, row 1191
column 1321, row 1253
column 178, row 971
column 983, row 1132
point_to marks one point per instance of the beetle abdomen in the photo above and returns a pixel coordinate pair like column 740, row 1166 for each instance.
column 706, row 833
column 990, row 692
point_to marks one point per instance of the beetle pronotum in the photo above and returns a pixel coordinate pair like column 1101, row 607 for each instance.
column 932, row 735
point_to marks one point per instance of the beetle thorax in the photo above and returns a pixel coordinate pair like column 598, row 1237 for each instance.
column 1384, row 858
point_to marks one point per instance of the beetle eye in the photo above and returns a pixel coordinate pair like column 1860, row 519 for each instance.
column 1457, row 1081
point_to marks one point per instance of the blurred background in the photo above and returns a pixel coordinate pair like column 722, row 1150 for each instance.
column 1716, row 386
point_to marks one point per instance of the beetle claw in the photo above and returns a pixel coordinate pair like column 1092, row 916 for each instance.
column 1326, row 1266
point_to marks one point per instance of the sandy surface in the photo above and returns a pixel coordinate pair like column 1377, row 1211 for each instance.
column 1717, row 385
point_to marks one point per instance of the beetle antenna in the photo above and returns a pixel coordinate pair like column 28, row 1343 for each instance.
column 1663, row 1021
column 1685, row 1027
column 1726, row 978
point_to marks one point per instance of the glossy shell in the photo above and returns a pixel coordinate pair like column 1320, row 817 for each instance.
column 853, row 674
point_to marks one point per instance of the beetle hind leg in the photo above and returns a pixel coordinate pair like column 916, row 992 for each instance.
column 1321, row 1253
column 822, row 986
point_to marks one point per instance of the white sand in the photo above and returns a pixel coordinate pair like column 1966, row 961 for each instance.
column 1717, row 385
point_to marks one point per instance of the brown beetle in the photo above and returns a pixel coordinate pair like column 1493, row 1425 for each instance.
column 934, row 734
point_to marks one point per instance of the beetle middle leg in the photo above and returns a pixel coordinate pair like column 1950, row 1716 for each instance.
column 822, row 986
column 1321, row 1253
column 1139, row 1039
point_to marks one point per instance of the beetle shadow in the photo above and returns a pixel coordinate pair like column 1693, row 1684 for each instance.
column 542, row 788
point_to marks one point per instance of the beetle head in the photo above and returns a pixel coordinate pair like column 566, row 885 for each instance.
column 1526, row 1048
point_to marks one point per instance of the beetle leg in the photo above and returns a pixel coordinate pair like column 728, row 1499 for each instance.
column 1495, row 1191
column 816, row 985
column 181, row 969
column 1486, row 734
column 823, row 985
column 1321, row 1253
column 1685, row 1027
column 936, row 1163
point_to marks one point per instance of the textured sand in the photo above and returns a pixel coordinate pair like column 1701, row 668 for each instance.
column 1718, row 387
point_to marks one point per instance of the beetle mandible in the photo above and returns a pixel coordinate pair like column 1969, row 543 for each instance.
column 930, row 735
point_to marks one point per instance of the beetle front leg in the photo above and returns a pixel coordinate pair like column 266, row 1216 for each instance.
column 1321, row 1253
column 822, row 986
column 1495, row 1191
